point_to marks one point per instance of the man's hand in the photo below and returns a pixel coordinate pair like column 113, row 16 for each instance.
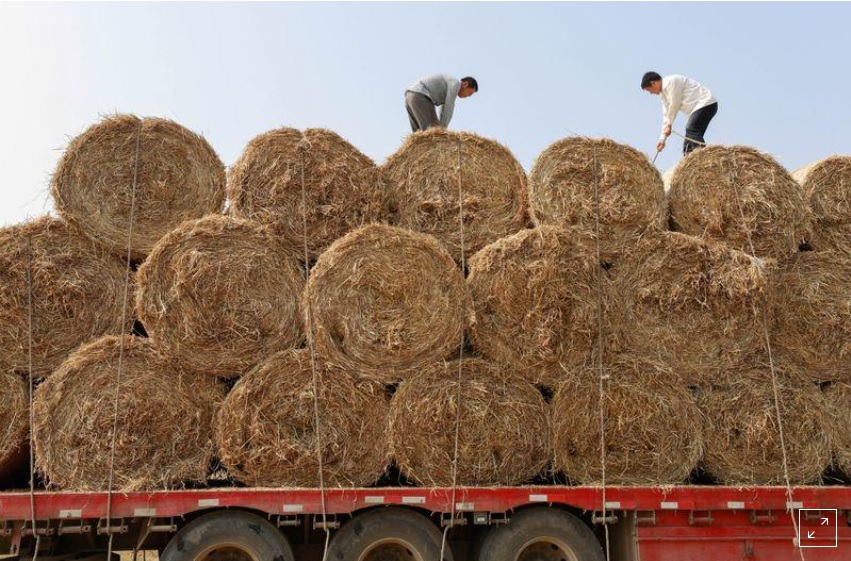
column 667, row 131
column 660, row 145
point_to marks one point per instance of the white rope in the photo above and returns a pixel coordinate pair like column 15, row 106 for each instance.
column 458, row 395
column 121, row 343
column 689, row 139
column 601, row 371
column 774, row 385
column 32, row 413
column 317, row 416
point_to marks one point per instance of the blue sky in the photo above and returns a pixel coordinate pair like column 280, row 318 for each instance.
column 546, row 70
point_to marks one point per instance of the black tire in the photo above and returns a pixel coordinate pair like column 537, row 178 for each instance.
column 388, row 534
column 231, row 535
column 541, row 534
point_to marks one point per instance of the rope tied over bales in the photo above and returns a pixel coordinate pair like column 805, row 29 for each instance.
column 688, row 138
column 600, row 345
column 30, row 376
column 777, row 409
column 304, row 146
column 458, row 393
column 121, row 344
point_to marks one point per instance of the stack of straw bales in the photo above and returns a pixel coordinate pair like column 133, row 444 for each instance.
column 384, row 301
column 163, row 418
column 311, row 183
column 100, row 182
column 600, row 186
column 535, row 295
column 827, row 184
column 639, row 400
column 224, row 296
column 75, row 294
column 267, row 431
column 742, row 197
column 693, row 305
column 465, row 190
column 502, row 421
column 219, row 294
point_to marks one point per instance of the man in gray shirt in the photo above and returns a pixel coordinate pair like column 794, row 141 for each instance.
column 431, row 91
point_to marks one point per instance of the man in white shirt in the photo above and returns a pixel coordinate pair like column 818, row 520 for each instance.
column 429, row 92
column 679, row 93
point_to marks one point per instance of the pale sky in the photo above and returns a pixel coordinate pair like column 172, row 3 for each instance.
column 546, row 70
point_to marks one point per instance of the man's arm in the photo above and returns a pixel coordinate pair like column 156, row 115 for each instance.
column 452, row 89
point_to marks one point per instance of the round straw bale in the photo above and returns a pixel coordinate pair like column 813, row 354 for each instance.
column 837, row 397
column 164, row 419
column 811, row 298
column 342, row 187
column 741, row 432
column 535, row 296
column 428, row 173
column 695, row 305
column 641, row 400
column 178, row 177
column 827, row 184
column 266, row 429
column 219, row 294
column 573, row 174
column 503, row 434
column 77, row 293
column 385, row 301
column 14, row 426
column 741, row 196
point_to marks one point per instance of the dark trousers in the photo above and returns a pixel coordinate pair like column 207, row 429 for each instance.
column 421, row 111
column 697, row 125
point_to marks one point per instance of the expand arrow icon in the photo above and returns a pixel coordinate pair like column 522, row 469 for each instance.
column 825, row 521
column 811, row 535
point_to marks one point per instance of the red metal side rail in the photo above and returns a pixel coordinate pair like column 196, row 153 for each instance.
column 59, row 505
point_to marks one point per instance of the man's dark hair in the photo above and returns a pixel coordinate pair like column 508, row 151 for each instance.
column 471, row 82
column 649, row 77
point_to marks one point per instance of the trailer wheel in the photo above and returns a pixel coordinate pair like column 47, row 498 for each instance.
column 228, row 536
column 541, row 534
column 388, row 534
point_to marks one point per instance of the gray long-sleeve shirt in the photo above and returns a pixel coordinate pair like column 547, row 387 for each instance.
column 441, row 89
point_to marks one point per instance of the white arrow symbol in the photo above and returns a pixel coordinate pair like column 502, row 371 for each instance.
column 811, row 535
column 825, row 521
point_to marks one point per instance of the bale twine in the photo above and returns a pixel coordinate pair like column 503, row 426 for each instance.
column 837, row 396
column 827, row 184
column 385, row 301
column 219, row 294
column 642, row 448
column 695, row 305
column 742, row 438
column 811, row 299
column 535, row 297
column 564, row 188
column 164, row 435
column 736, row 194
column 77, row 293
column 423, row 176
column 503, row 435
column 14, row 427
column 343, row 187
column 266, row 429
column 180, row 177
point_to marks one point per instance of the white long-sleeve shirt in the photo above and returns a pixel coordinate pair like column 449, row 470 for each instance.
column 680, row 93
column 441, row 89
